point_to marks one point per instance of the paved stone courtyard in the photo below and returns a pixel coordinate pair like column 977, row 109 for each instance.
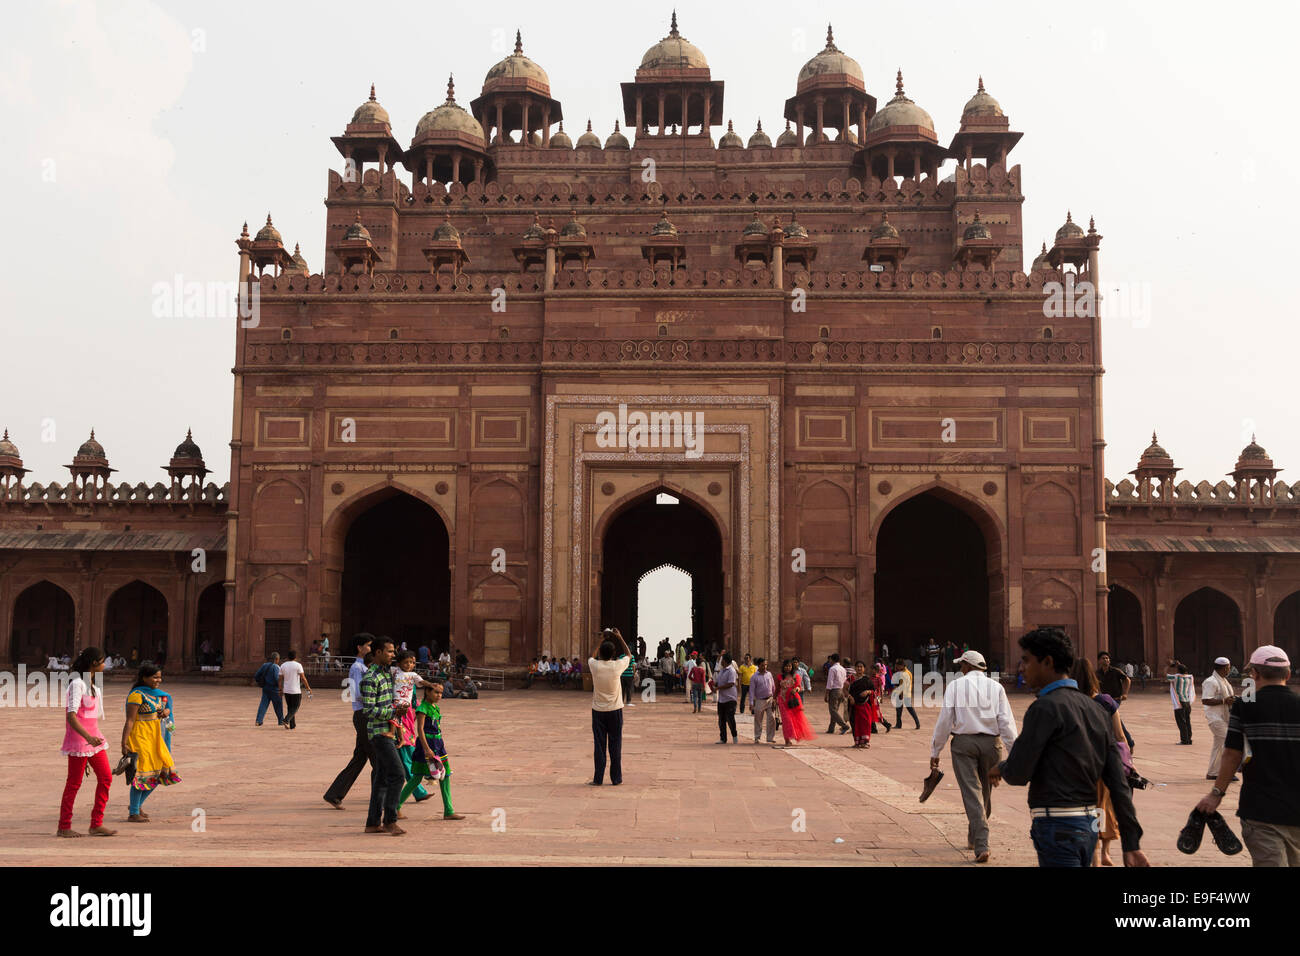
column 521, row 761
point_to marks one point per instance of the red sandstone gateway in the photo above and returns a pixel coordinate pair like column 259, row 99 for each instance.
column 898, row 442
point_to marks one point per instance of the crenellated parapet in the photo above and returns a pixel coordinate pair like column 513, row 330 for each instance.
column 121, row 494
column 1254, row 484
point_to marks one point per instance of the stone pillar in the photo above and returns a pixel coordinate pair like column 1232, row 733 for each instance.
column 844, row 126
column 546, row 126
column 501, row 133
column 798, row 121
column 455, row 166
column 661, row 112
column 640, row 102
column 550, row 269
column 818, row 135
column 524, row 138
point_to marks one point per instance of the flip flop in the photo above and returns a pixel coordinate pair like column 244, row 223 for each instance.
column 932, row 781
column 1222, row 834
column 1189, row 838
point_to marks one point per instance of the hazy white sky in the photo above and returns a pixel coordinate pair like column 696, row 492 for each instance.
column 139, row 136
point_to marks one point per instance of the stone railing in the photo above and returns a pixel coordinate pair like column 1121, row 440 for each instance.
column 122, row 493
column 1203, row 493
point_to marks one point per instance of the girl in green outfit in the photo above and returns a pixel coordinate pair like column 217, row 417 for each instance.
column 430, row 758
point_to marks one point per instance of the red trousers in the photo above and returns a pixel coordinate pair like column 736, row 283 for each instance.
column 103, row 778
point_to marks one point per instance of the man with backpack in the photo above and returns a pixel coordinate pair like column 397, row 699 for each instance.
column 268, row 678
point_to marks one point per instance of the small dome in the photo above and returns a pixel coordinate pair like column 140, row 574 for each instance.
column 7, row 448
column 370, row 111
column 795, row 230
column 1071, row 229
column 848, row 136
column 1155, row 455
column 356, row 231
column 560, row 139
column 589, row 140
column 516, row 67
column 268, row 233
column 535, row 229
column 91, row 448
column 1253, row 454
column 829, row 61
column 900, row 111
column 756, row 227
column 759, row 138
column 446, row 232
column 449, row 118
column 730, row 140
column 674, row 52
column 188, row 449
column 981, row 104
column 884, row 229
column 663, row 227
column 616, row 139
column 977, row 229
column 299, row 264
column 789, row 137
column 573, row 229
column 1040, row 262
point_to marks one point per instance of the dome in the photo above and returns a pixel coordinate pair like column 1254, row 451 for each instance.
column 267, row 233
column 589, row 140
column 446, row 232
column 1253, row 453
column 981, row 104
column 449, row 118
column 663, row 227
column 674, row 52
column 299, row 263
column 1071, row 230
column 759, row 138
column 730, row 140
column 535, row 229
column 187, row 448
column 355, row 231
column 616, row 139
column 7, row 448
column 91, row 448
column 1154, row 454
column 573, row 229
column 516, row 67
column 756, row 227
column 977, row 229
column 845, row 136
column 795, row 230
column 900, row 111
column 789, row 137
column 1040, row 262
column 828, row 62
column 370, row 111
column 884, row 229
column 560, row 139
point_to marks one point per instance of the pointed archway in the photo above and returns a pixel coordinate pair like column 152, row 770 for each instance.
column 135, row 624
column 662, row 527
column 1124, row 627
column 396, row 578
column 1207, row 623
column 44, row 623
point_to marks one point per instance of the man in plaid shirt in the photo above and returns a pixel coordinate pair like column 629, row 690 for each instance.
column 1181, row 689
column 386, row 774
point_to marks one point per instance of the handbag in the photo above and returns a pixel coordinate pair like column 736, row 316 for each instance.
column 793, row 702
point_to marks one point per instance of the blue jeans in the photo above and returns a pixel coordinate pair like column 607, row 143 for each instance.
column 136, row 799
column 271, row 698
column 697, row 696
column 1064, row 841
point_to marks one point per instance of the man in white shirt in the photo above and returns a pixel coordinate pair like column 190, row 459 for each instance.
column 667, row 667
column 835, row 677
column 606, row 666
column 976, row 713
column 1217, row 696
column 292, row 680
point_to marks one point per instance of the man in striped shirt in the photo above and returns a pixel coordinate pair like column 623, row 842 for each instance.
column 386, row 774
column 1181, row 689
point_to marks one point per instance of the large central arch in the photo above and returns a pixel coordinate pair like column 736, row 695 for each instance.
column 646, row 535
column 396, row 578
column 938, row 574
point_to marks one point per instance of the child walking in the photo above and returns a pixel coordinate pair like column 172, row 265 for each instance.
column 430, row 760
column 405, row 680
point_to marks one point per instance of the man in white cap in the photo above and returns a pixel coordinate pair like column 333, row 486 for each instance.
column 1217, row 696
column 976, row 713
column 1269, row 725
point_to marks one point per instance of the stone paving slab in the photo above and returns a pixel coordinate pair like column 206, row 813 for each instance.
column 521, row 761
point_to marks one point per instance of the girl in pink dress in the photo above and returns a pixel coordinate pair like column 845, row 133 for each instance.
column 789, row 704
column 84, row 745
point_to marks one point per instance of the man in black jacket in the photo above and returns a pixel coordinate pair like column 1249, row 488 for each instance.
column 1065, row 746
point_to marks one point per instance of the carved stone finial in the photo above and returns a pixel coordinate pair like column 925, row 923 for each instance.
column 1092, row 226
column 372, row 92
column 588, row 124
column 519, row 43
column 981, row 89
column 830, row 40
column 451, row 89
column 672, row 31
column 898, row 85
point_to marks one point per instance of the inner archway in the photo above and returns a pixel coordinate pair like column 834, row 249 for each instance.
column 1124, row 626
column 210, row 626
column 397, row 574
column 1206, row 625
column 932, row 579
column 663, row 528
column 136, row 624
column 44, row 623
column 664, row 606
column 1286, row 628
